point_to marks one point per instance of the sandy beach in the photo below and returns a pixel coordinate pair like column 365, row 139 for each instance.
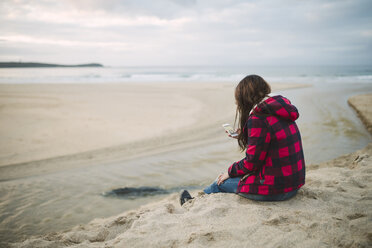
column 333, row 209
column 64, row 146
column 58, row 126
column 45, row 121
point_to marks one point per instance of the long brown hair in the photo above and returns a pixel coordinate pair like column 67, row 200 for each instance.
column 249, row 92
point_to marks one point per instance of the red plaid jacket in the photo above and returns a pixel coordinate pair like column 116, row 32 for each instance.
column 274, row 162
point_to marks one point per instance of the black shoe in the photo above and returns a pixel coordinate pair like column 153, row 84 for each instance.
column 185, row 196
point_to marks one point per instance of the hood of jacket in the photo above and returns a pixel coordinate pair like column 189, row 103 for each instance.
column 278, row 106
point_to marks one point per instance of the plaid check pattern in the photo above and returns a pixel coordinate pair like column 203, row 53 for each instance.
column 274, row 162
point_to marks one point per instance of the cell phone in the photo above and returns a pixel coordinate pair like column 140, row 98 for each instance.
column 230, row 130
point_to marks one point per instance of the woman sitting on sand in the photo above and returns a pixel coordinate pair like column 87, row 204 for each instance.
column 274, row 166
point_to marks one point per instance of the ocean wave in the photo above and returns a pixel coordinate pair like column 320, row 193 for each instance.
column 184, row 74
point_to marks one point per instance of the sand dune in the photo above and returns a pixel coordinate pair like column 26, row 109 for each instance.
column 333, row 209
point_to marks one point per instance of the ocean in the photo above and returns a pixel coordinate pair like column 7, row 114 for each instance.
column 293, row 74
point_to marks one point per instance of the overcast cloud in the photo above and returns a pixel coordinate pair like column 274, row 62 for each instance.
column 187, row 32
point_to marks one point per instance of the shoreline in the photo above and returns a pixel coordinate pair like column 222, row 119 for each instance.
column 10, row 64
column 102, row 149
column 332, row 209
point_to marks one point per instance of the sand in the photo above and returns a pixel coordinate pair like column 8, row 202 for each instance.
column 333, row 209
column 362, row 105
column 50, row 127
column 43, row 121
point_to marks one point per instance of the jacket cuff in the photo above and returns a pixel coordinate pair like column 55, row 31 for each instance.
column 229, row 171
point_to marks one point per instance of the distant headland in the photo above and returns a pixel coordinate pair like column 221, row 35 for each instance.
column 38, row 65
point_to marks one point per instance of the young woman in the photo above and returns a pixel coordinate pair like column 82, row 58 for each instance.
column 274, row 166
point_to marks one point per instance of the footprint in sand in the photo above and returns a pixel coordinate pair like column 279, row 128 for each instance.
column 356, row 216
column 124, row 222
column 281, row 220
column 100, row 236
column 170, row 208
column 356, row 182
column 201, row 237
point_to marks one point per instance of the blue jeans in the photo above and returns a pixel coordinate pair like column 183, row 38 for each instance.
column 231, row 185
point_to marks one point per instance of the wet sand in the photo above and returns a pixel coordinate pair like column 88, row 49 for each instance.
column 362, row 104
column 331, row 210
column 47, row 125
column 45, row 121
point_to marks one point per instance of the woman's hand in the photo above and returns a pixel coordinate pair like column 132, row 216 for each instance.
column 237, row 131
column 222, row 177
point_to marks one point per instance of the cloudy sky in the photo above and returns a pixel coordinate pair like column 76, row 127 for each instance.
column 187, row 32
